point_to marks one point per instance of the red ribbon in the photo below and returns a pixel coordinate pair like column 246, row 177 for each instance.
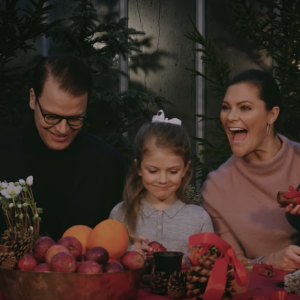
column 293, row 193
column 278, row 295
column 218, row 276
column 266, row 267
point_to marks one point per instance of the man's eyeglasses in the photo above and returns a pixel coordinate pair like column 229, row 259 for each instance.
column 55, row 119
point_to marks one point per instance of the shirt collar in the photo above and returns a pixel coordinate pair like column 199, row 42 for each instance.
column 170, row 211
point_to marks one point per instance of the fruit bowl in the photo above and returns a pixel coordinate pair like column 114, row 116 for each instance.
column 25, row 285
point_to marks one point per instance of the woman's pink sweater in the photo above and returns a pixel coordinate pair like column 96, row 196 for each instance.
column 240, row 197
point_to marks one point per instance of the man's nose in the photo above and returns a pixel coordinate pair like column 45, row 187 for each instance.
column 62, row 127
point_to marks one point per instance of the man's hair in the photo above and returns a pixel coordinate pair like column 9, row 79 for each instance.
column 72, row 74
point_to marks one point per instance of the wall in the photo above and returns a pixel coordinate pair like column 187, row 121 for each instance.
column 166, row 53
column 231, row 47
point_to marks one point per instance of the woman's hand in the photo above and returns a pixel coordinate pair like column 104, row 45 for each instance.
column 293, row 210
column 139, row 247
column 287, row 259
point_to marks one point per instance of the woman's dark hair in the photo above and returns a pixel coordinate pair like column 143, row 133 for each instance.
column 72, row 74
column 267, row 87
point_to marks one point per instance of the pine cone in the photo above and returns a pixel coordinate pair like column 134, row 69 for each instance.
column 159, row 283
column 197, row 277
column 177, row 285
column 18, row 243
column 7, row 260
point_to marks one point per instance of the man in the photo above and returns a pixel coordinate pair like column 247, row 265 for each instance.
column 78, row 178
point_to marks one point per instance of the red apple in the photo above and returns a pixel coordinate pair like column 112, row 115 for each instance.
column 97, row 254
column 63, row 262
column 114, row 261
column 52, row 251
column 132, row 260
column 77, row 266
column 43, row 267
column 111, row 267
column 27, row 263
column 157, row 247
column 89, row 267
column 72, row 244
column 42, row 244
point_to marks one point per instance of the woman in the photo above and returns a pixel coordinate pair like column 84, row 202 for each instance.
column 241, row 195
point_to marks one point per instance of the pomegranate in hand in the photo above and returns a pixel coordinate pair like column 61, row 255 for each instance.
column 157, row 247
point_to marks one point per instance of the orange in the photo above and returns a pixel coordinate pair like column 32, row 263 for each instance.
column 111, row 235
column 81, row 232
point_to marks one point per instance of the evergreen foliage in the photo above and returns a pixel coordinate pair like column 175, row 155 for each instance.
column 20, row 25
column 110, row 113
column 273, row 26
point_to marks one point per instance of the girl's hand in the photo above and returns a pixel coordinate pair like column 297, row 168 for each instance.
column 293, row 210
column 287, row 259
column 139, row 247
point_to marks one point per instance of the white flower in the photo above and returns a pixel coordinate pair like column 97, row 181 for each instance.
column 11, row 191
column 10, row 205
column 25, row 204
column 22, row 182
column 4, row 184
column 36, row 215
column 19, row 205
column 31, row 228
column 29, row 180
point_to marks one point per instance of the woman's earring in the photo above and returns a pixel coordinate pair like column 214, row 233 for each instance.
column 268, row 129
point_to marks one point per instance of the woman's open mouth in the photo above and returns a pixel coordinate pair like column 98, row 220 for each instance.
column 238, row 134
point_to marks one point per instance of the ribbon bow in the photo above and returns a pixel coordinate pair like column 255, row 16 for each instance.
column 218, row 276
column 160, row 117
column 292, row 193
column 278, row 295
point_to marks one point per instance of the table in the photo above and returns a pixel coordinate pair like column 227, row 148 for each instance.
column 258, row 286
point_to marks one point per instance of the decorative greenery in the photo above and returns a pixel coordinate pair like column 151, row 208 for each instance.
column 110, row 113
column 273, row 26
column 211, row 155
column 20, row 25
column 20, row 211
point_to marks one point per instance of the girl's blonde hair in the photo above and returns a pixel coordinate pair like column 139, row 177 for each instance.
column 162, row 135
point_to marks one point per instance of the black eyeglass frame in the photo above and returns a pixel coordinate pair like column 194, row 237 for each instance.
column 60, row 118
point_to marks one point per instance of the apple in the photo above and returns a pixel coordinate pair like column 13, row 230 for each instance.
column 63, row 262
column 89, row 267
column 43, row 267
column 114, row 261
column 111, row 267
column 27, row 263
column 97, row 254
column 157, row 247
column 132, row 260
column 78, row 265
column 72, row 244
column 42, row 244
column 52, row 251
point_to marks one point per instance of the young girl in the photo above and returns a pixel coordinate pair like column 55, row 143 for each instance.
column 154, row 207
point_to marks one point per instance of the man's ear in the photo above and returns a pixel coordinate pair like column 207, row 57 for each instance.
column 32, row 98
column 137, row 167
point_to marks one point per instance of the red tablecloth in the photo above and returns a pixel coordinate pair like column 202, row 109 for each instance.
column 258, row 286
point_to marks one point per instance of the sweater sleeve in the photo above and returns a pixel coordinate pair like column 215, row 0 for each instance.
column 223, row 230
column 207, row 225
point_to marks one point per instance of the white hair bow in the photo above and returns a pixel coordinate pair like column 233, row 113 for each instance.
column 160, row 117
